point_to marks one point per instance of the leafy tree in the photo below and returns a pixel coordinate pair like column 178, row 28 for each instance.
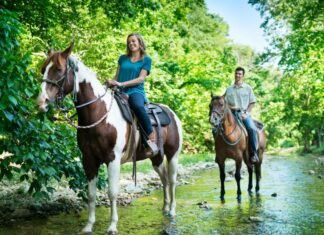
column 298, row 37
column 40, row 150
column 191, row 58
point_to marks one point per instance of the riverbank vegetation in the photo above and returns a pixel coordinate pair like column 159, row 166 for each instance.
column 192, row 57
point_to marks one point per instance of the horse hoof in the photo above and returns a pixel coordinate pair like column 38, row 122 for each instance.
column 112, row 233
column 172, row 213
column 87, row 229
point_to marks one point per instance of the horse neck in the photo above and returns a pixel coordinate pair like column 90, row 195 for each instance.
column 88, row 88
column 229, row 120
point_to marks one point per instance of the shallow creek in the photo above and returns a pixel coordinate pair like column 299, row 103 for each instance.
column 290, row 202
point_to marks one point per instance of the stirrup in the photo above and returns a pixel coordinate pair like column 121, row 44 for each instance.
column 153, row 148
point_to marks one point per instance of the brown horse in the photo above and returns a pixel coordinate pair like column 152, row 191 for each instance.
column 231, row 142
column 103, row 135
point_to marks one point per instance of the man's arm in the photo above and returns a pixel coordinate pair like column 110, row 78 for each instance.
column 250, row 107
column 248, row 110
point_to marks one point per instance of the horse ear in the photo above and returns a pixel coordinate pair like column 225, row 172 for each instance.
column 67, row 51
column 50, row 52
column 211, row 94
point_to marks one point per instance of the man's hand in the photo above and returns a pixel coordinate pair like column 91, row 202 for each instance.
column 245, row 115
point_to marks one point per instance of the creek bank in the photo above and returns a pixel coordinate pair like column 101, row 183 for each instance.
column 16, row 204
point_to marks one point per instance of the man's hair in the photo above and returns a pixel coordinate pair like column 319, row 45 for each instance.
column 141, row 44
column 240, row 69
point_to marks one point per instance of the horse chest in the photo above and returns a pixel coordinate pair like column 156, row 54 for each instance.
column 99, row 141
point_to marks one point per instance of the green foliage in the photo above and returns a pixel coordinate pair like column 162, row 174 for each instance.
column 298, row 96
column 191, row 54
column 41, row 151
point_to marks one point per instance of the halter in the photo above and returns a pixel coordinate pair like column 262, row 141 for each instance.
column 65, row 77
column 60, row 95
column 219, row 126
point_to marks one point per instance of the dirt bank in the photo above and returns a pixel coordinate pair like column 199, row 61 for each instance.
column 16, row 204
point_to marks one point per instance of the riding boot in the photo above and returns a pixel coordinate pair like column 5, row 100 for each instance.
column 152, row 149
column 254, row 158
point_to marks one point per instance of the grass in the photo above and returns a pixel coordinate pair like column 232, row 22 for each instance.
column 184, row 159
column 191, row 159
column 142, row 166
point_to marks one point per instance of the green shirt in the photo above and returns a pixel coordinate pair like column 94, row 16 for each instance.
column 239, row 97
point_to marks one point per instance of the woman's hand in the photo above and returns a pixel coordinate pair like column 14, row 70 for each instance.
column 113, row 83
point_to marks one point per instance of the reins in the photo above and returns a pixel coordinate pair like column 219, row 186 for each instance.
column 94, row 124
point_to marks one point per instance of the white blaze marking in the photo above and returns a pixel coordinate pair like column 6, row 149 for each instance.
column 41, row 100
column 47, row 69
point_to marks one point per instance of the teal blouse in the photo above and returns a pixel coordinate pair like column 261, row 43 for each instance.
column 129, row 70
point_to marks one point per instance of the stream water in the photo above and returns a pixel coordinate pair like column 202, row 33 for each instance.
column 297, row 208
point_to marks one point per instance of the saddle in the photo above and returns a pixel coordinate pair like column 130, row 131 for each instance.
column 259, row 125
column 158, row 116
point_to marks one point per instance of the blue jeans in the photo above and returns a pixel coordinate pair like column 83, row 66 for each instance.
column 252, row 132
column 136, row 102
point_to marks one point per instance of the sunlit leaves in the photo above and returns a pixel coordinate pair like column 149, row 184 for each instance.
column 300, row 51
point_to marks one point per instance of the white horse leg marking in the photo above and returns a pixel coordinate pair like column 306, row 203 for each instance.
column 162, row 172
column 92, row 189
column 173, row 168
column 113, row 174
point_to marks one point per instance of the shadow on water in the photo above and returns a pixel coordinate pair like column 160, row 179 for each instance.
column 298, row 207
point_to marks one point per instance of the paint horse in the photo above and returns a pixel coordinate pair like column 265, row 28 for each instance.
column 231, row 141
column 103, row 134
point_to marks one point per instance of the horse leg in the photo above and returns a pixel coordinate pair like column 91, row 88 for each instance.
column 257, row 176
column 250, row 186
column 91, row 167
column 238, row 164
column 172, row 171
column 160, row 168
column 221, row 165
column 113, row 189
column 92, row 189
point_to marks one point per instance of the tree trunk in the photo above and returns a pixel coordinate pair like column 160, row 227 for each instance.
column 306, row 142
column 319, row 137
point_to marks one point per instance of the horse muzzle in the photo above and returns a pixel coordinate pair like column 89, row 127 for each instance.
column 43, row 102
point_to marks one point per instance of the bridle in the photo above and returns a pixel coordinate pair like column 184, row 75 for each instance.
column 218, row 127
column 59, row 98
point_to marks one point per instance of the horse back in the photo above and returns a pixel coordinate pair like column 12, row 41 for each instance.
column 172, row 134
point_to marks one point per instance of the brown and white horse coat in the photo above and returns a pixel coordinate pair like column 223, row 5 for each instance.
column 106, row 142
